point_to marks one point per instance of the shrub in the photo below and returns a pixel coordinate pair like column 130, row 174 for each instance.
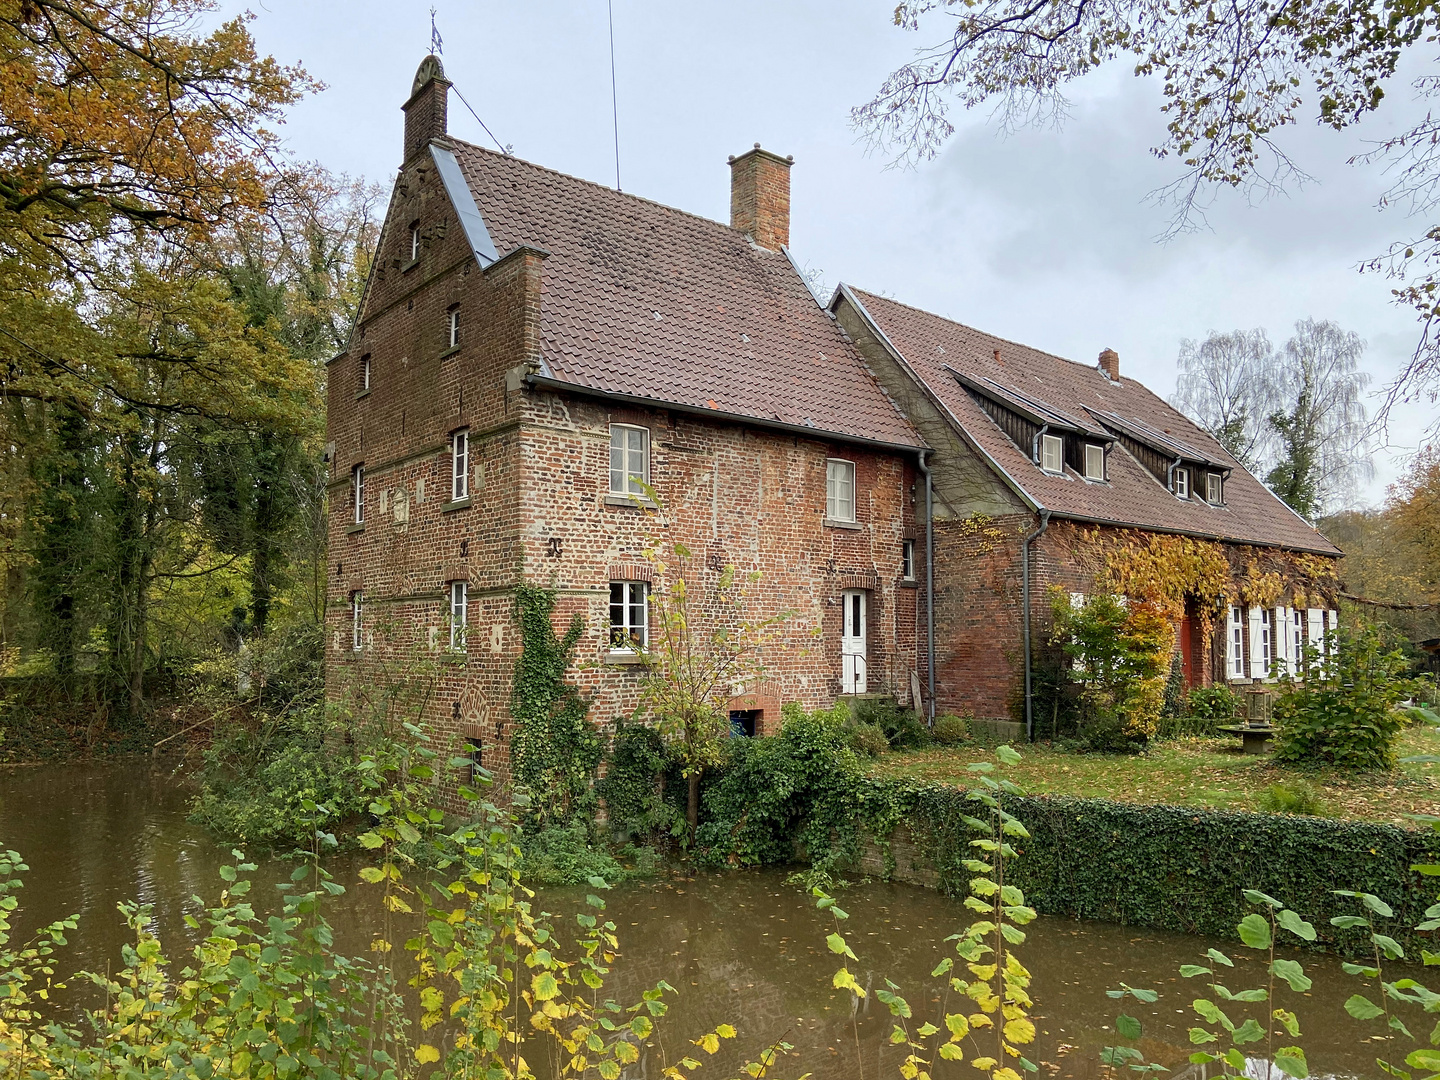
column 868, row 739
column 634, row 782
column 1343, row 708
column 1120, row 656
column 1214, row 705
column 903, row 728
column 950, row 730
column 1295, row 797
column 568, row 855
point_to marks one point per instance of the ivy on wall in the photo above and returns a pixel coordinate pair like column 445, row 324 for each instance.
column 555, row 749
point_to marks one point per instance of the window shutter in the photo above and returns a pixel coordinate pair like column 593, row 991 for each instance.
column 1314, row 626
column 1332, row 624
column 1280, row 633
column 1257, row 648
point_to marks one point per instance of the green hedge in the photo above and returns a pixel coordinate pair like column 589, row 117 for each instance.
column 1174, row 868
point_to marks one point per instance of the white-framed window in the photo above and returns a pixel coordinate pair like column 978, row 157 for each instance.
column 1297, row 639
column 1182, row 483
column 357, row 620
column 365, row 372
column 1214, row 488
column 1235, row 644
column 1094, row 462
column 452, row 327
column 1052, row 453
column 414, row 241
column 839, row 489
column 907, row 560
column 460, row 464
column 459, row 608
column 357, row 493
column 629, row 459
column 629, row 615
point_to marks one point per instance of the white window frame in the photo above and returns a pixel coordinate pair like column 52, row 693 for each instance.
column 357, row 493
column 1052, row 447
column 1214, row 489
column 1235, row 644
column 415, row 242
column 365, row 372
column 452, row 327
column 1280, row 637
column 840, row 494
column 624, row 480
column 1096, row 453
column 459, row 614
column 631, row 601
column 1261, row 629
column 907, row 560
column 357, row 620
column 1297, row 639
column 459, row 464
column 1182, row 483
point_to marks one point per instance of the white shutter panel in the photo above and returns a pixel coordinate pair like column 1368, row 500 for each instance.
column 1281, row 636
column 1314, row 627
column 1257, row 647
column 1332, row 623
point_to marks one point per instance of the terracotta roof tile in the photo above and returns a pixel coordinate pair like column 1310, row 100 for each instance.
column 1133, row 495
column 641, row 299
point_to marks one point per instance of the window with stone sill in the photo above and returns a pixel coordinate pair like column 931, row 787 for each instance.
column 452, row 327
column 907, row 560
column 459, row 612
column 460, row 464
column 365, row 372
column 839, row 490
column 357, row 623
column 629, row 616
column 357, row 493
column 414, row 241
column 629, row 459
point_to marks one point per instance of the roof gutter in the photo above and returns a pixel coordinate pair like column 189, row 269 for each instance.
column 548, row 383
column 1030, row 538
column 929, row 588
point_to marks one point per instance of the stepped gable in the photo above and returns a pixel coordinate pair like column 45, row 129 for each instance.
column 1132, row 496
column 644, row 300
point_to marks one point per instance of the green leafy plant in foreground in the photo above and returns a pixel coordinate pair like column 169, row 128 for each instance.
column 998, row 985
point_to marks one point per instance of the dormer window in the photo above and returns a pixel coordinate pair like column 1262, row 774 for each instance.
column 1214, row 488
column 1182, row 483
column 414, row 241
column 1052, row 453
column 1094, row 462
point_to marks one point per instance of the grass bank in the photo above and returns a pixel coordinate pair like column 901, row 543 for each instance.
column 1206, row 773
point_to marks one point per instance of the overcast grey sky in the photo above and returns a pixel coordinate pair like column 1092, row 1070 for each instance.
column 1043, row 237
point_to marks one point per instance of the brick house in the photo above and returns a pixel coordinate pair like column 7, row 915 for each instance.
column 528, row 347
column 1041, row 467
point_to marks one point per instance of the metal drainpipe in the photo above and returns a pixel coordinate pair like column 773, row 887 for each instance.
column 1025, row 621
column 929, row 588
column 1170, row 475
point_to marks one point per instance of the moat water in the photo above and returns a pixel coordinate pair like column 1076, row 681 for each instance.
column 741, row 947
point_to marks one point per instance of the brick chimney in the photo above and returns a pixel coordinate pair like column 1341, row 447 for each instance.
column 425, row 111
column 760, row 197
column 1110, row 364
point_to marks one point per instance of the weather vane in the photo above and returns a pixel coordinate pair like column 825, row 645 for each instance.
column 437, row 43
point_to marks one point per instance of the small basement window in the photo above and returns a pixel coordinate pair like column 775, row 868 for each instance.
column 743, row 723
column 1052, row 453
column 1094, row 462
column 1182, row 483
column 907, row 560
column 1214, row 489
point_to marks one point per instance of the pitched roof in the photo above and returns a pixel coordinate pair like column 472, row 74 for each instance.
column 642, row 300
column 936, row 349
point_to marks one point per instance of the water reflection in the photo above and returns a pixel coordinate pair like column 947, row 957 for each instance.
column 741, row 947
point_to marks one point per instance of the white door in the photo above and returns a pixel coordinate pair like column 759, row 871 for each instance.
column 852, row 642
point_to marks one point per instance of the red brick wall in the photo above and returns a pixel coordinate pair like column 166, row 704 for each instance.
column 539, row 475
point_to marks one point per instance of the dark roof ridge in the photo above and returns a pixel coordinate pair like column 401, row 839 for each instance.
column 607, row 189
column 977, row 330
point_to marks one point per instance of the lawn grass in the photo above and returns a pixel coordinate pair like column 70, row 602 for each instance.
column 1208, row 772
